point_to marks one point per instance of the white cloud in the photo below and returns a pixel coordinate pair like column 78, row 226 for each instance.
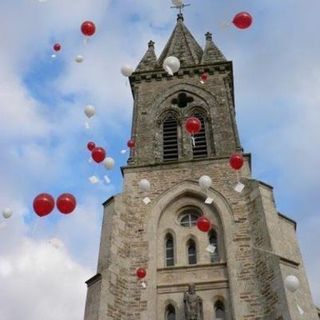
column 41, row 281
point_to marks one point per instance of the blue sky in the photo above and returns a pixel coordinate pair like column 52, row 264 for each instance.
column 43, row 137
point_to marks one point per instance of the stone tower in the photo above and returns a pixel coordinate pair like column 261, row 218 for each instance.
column 256, row 246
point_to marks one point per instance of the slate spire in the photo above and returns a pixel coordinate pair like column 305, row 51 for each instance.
column 211, row 52
column 182, row 45
column 149, row 60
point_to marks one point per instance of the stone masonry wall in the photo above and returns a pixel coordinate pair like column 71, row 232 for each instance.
column 254, row 280
column 153, row 94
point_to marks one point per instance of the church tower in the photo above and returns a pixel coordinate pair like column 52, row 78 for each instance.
column 255, row 245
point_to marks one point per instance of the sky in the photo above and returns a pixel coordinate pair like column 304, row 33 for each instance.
column 45, row 262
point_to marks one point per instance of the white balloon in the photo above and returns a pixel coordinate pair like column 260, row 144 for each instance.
column 144, row 185
column 126, row 70
column 205, row 182
column 7, row 213
column 90, row 110
column 171, row 64
column 79, row 58
column 108, row 163
column 292, row 283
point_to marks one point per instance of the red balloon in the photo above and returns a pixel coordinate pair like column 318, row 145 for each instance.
column 204, row 77
column 91, row 145
column 88, row 28
column 131, row 144
column 66, row 203
column 43, row 204
column 57, row 47
column 203, row 224
column 242, row 20
column 193, row 125
column 141, row 273
column 98, row 154
column 236, row 161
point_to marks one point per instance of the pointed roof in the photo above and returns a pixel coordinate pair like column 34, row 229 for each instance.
column 149, row 60
column 211, row 52
column 182, row 45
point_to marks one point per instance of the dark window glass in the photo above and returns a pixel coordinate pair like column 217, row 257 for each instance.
column 192, row 252
column 170, row 313
column 189, row 219
column 169, row 251
column 219, row 310
column 213, row 240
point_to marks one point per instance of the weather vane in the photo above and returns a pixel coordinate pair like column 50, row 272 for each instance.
column 178, row 4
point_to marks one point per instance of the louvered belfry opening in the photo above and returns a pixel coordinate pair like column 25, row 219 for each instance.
column 170, row 139
column 200, row 148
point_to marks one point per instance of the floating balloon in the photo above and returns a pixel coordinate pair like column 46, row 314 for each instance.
column 91, row 145
column 242, row 20
column 141, row 273
column 236, row 161
column 108, row 163
column 90, row 111
column 88, row 28
column 98, row 154
column 94, row 179
column 56, row 243
column 79, row 58
column 292, row 283
column 131, row 144
column 205, row 182
column 171, row 65
column 204, row 77
column 43, row 204
column 66, row 203
column 7, row 213
column 193, row 125
column 57, row 47
column 144, row 185
column 203, row 224
column 126, row 70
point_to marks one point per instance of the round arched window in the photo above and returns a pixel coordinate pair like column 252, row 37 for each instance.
column 188, row 218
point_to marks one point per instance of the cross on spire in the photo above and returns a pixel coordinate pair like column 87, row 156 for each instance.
column 180, row 6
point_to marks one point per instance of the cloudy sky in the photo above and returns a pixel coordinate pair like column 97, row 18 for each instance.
column 44, row 262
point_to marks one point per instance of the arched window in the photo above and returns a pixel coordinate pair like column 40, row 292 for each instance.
column 189, row 218
column 192, row 252
column 200, row 146
column 213, row 241
column 170, row 139
column 219, row 311
column 169, row 250
column 170, row 312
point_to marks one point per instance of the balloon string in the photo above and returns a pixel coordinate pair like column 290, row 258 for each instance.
column 193, row 139
column 238, row 176
column 225, row 25
column 35, row 227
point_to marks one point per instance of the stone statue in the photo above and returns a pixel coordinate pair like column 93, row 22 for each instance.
column 192, row 304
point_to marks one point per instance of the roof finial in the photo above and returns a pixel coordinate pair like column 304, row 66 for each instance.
column 151, row 44
column 178, row 4
column 208, row 36
column 180, row 17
